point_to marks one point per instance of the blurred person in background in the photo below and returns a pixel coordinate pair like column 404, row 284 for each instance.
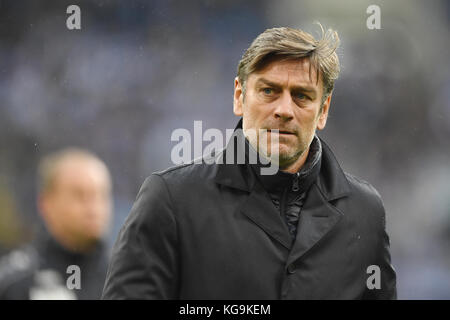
column 68, row 259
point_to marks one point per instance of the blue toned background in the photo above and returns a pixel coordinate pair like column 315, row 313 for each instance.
column 137, row 70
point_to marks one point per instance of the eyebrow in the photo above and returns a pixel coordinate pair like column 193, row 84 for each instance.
column 277, row 85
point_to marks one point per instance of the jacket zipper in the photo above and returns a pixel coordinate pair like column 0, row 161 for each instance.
column 283, row 199
column 283, row 202
column 295, row 182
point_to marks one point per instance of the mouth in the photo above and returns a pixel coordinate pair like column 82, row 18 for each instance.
column 282, row 132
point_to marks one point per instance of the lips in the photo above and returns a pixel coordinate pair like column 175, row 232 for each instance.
column 281, row 131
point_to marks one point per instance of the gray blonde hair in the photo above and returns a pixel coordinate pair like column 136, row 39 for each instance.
column 288, row 43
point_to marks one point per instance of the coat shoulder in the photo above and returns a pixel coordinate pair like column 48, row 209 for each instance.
column 366, row 193
column 362, row 185
column 197, row 171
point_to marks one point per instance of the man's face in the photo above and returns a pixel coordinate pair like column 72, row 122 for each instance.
column 78, row 205
column 283, row 96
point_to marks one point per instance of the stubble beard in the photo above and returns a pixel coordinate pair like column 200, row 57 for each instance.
column 286, row 159
column 282, row 159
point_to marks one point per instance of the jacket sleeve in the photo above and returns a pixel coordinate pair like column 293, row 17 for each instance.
column 144, row 262
column 388, row 281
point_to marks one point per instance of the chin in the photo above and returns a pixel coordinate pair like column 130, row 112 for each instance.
column 289, row 155
column 282, row 152
column 93, row 235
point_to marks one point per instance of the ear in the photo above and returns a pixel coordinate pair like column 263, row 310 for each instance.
column 324, row 115
column 238, row 98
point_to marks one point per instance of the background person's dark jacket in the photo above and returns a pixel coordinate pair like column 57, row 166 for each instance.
column 200, row 231
column 38, row 271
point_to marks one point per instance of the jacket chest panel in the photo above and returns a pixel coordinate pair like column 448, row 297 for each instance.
column 222, row 243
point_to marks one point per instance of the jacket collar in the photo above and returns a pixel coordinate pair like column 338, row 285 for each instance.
column 331, row 180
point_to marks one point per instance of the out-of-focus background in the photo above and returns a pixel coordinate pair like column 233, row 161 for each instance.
column 137, row 70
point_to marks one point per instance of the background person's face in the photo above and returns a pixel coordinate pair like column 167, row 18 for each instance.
column 78, row 206
column 283, row 96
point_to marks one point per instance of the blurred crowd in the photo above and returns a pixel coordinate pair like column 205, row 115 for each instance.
column 137, row 70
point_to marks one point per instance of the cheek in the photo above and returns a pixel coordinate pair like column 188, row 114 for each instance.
column 103, row 209
column 249, row 116
column 255, row 113
column 307, row 118
column 72, row 209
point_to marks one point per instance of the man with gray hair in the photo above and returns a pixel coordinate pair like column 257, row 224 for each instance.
column 220, row 230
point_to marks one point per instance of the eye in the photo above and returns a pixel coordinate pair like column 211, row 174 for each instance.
column 300, row 96
column 267, row 91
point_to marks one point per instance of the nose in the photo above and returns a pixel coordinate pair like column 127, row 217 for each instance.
column 284, row 108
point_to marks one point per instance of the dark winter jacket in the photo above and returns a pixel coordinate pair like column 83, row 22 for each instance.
column 211, row 231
